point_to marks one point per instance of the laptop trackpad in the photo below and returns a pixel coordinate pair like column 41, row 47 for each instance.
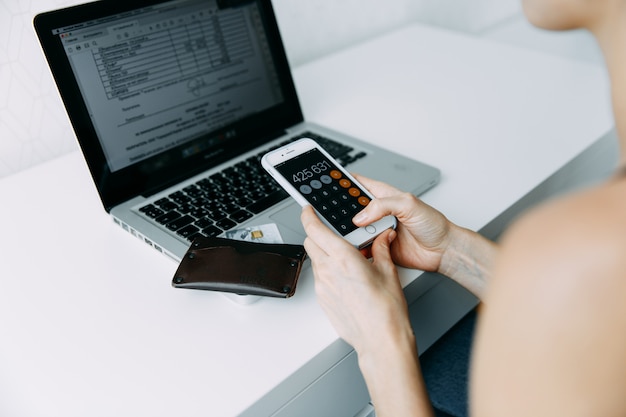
column 288, row 220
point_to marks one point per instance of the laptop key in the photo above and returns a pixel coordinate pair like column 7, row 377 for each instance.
column 166, row 205
column 195, row 235
column 186, row 208
column 168, row 217
column 188, row 231
column 241, row 216
column 193, row 191
column 151, row 211
column 243, row 201
column 203, row 223
column 146, row 208
column 226, row 224
column 212, row 231
column 199, row 213
column 217, row 214
column 180, row 222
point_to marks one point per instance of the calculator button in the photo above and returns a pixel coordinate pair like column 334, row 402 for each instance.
column 326, row 179
column 345, row 183
column 354, row 192
column 343, row 227
column 364, row 201
column 316, row 184
column 335, row 174
column 305, row 189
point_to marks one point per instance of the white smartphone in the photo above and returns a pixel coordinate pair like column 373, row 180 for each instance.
column 312, row 177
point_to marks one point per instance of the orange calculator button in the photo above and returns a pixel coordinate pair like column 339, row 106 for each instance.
column 335, row 174
column 345, row 183
column 354, row 192
column 364, row 201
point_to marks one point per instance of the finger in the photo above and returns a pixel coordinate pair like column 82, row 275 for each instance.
column 366, row 251
column 307, row 216
column 381, row 248
column 382, row 260
column 321, row 234
column 376, row 210
column 403, row 206
column 314, row 251
column 380, row 190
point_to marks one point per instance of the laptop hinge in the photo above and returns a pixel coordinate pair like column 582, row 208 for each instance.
column 163, row 185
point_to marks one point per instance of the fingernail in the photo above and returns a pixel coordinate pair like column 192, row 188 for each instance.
column 360, row 218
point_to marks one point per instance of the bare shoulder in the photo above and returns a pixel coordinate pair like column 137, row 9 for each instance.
column 573, row 242
column 551, row 340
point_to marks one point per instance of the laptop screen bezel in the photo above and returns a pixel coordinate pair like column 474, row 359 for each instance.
column 147, row 177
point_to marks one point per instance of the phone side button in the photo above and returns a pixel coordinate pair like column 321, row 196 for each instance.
column 370, row 229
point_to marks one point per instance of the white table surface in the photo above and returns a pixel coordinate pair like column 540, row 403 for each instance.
column 89, row 324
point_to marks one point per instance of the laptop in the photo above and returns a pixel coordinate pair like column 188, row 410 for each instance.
column 174, row 102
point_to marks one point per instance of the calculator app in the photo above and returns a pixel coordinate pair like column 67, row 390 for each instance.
column 326, row 188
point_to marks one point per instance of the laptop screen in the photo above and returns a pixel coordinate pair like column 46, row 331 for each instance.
column 160, row 76
column 161, row 89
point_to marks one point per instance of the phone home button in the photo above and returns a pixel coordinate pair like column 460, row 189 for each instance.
column 370, row 229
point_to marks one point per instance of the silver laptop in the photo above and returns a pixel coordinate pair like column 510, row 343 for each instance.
column 174, row 102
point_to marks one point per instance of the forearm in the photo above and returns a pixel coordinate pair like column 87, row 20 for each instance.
column 469, row 260
column 394, row 378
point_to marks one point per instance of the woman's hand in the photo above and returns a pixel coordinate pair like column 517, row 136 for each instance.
column 427, row 240
column 363, row 299
column 423, row 232
column 365, row 303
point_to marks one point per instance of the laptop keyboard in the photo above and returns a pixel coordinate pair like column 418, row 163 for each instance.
column 225, row 199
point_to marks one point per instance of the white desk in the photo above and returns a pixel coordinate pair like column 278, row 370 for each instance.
column 90, row 325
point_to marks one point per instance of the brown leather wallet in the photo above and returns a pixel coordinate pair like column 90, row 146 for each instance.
column 228, row 265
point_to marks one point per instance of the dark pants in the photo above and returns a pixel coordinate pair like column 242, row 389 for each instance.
column 445, row 366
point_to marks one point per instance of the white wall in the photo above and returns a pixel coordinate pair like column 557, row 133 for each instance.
column 315, row 28
column 33, row 124
column 472, row 16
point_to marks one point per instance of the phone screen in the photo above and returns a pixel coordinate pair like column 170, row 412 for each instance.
column 326, row 188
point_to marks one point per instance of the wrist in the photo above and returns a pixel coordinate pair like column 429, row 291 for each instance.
column 468, row 259
column 453, row 254
column 399, row 338
column 393, row 376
